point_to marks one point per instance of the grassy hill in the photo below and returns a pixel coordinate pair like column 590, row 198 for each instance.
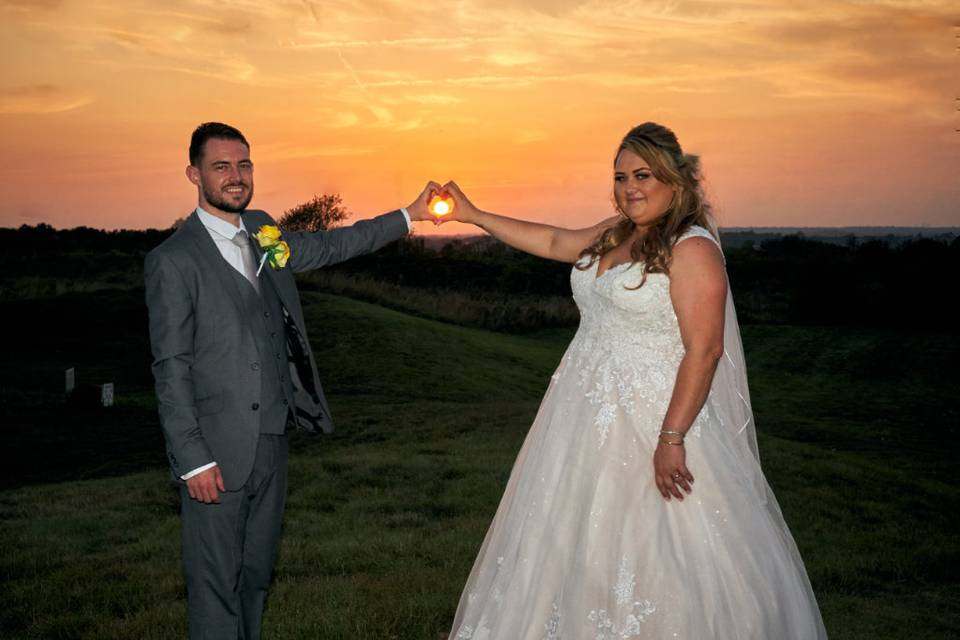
column 858, row 438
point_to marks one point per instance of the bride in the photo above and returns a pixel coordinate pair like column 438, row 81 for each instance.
column 637, row 507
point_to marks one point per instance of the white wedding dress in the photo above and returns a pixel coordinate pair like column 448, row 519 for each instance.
column 584, row 547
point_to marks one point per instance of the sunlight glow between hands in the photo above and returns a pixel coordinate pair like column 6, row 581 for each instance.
column 440, row 205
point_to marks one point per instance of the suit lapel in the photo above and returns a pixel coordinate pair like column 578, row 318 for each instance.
column 212, row 262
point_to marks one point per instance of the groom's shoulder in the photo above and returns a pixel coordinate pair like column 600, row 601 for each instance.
column 256, row 217
column 175, row 244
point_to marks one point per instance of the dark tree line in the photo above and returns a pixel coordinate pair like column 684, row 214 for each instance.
column 803, row 281
column 788, row 280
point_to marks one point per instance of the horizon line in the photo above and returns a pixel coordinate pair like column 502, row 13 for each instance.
column 951, row 228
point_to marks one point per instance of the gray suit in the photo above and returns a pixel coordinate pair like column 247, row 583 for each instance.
column 232, row 368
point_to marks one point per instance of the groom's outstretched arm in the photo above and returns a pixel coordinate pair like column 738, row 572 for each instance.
column 171, row 314
column 324, row 248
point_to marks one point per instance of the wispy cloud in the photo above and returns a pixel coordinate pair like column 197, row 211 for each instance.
column 514, row 58
column 433, row 99
column 342, row 120
column 417, row 43
column 43, row 98
column 350, row 70
column 332, row 151
column 42, row 5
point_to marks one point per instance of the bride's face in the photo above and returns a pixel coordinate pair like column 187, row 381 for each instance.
column 640, row 196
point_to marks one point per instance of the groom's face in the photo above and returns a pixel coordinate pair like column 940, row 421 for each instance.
column 224, row 176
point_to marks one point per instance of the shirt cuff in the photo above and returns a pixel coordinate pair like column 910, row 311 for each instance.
column 406, row 216
column 189, row 475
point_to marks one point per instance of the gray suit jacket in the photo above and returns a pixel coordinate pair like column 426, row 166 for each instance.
column 202, row 342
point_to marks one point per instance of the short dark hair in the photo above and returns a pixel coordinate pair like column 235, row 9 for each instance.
column 209, row 130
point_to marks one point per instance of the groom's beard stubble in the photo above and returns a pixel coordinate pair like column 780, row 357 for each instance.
column 217, row 199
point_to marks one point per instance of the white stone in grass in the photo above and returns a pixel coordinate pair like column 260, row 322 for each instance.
column 106, row 394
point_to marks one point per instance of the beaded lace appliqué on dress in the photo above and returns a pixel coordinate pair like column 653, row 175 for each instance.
column 627, row 349
column 607, row 628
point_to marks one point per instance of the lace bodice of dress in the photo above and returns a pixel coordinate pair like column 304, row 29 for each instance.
column 628, row 346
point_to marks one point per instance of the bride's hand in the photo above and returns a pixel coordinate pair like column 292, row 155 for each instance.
column 463, row 209
column 670, row 470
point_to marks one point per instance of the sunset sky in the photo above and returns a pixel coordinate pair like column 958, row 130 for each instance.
column 804, row 113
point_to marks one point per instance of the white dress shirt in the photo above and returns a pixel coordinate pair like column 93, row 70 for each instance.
column 222, row 233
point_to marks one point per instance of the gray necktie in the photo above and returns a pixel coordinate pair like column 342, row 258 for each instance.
column 246, row 254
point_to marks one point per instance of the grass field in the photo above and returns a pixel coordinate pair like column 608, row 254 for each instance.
column 858, row 438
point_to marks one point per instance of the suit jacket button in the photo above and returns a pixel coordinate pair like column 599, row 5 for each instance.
column 266, row 314
column 254, row 365
column 285, row 402
column 255, row 406
column 278, row 356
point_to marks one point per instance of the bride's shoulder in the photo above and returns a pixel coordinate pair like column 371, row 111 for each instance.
column 696, row 231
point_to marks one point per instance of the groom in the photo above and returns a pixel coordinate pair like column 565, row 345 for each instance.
column 233, row 369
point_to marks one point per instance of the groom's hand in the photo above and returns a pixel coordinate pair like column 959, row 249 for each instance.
column 203, row 486
column 419, row 210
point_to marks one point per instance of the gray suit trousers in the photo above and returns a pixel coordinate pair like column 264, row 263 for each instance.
column 229, row 548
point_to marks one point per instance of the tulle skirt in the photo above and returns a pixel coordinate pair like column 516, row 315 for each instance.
column 583, row 546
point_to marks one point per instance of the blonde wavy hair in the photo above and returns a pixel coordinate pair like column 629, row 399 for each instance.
column 659, row 147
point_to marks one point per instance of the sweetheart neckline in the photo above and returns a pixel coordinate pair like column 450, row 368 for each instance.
column 597, row 276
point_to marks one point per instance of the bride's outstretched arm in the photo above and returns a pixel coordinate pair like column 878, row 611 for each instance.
column 543, row 240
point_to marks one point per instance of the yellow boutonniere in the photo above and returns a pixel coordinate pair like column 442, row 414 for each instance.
column 275, row 250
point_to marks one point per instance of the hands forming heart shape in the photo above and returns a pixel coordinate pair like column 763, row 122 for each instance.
column 442, row 203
